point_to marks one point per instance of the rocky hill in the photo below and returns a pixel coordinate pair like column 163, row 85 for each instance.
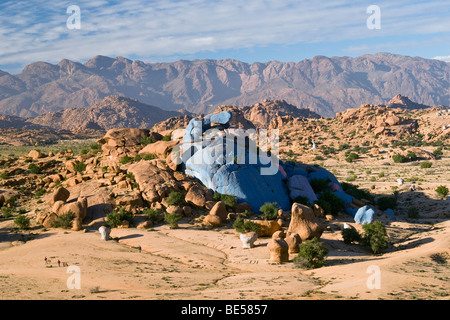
column 111, row 112
column 322, row 84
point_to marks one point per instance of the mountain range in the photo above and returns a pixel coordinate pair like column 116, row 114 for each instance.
column 325, row 85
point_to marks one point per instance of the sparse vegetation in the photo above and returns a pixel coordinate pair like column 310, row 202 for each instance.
column 269, row 210
column 426, row 165
column 242, row 226
column 64, row 221
column 442, row 191
column 175, row 198
column 311, row 254
column 22, row 221
column 375, row 236
column 117, row 216
column 350, row 235
column 79, row 167
column 172, row 219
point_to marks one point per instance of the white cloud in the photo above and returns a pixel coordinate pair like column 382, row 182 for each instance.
column 443, row 58
column 35, row 30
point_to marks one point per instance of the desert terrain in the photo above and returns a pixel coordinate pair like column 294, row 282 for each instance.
column 197, row 261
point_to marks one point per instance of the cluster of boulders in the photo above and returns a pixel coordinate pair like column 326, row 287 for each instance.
column 60, row 205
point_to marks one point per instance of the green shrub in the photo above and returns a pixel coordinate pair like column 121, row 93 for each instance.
column 11, row 201
column 311, row 254
column 442, row 191
column 438, row 152
column 398, row 158
column 175, row 198
column 413, row 213
column 79, row 167
column 269, row 210
column 302, row 200
column 350, row 235
column 147, row 140
column 96, row 147
column 23, row 222
column 137, row 158
column 125, row 160
column 330, row 203
column 375, row 236
column 34, row 169
column 354, row 191
column 381, row 174
column 64, row 221
column 151, row 214
column 411, row 156
column 7, row 212
column 166, row 138
column 115, row 218
column 229, row 200
column 319, row 185
column 149, row 156
column 172, row 219
column 217, row 196
column 242, row 226
column 387, row 202
column 85, row 151
column 4, row 175
column 426, row 165
column 352, row 157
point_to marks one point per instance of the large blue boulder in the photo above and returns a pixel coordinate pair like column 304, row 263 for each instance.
column 230, row 171
column 364, row 215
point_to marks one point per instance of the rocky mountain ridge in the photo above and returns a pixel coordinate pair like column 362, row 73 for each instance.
column 325, row 85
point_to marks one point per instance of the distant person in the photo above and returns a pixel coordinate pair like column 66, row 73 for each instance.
column 59, row 263
column 45, row 260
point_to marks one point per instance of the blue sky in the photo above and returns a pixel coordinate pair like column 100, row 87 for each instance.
column 250, row 31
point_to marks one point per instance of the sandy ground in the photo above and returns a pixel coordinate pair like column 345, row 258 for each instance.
column 188, row 263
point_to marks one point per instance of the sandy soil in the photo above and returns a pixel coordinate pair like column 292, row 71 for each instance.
column 188, row 263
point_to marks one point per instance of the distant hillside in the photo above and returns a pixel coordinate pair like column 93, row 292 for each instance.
column 111, row 112
column 322, row 84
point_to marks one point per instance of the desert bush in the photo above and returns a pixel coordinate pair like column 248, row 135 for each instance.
column 147, row 140
column 166, row 138
column 23, row 222
column 79, row 167
column 438, row 152
column 319, row 185
column 242, row 226
column 352, row 157
column 375, row 236
column 229, row 200
column 399, row 158
column 387, row 202
column 175, row 198
column 119, row 214
column 7, row 212
column 354, row 191
column 34, row 169
column 330, row 203
column 442, row 191
column 4, row 175
column 426, row 165
column 302, row 200
column 411, row 156
column 64, row 221
column 149, row 156
column 413, row 213
column 172, row 219
column 151, row 214
column 269, row 210
column 125, row 160
column 311, row 254
column 350, row 235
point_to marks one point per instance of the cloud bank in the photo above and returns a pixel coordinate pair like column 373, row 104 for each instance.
column 151, row 30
